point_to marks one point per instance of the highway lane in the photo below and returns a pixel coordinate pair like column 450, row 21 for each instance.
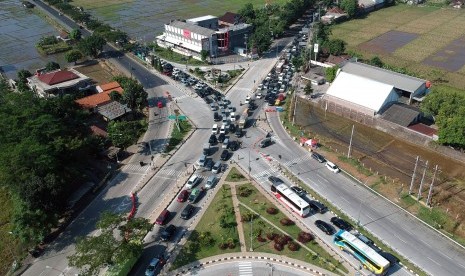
column 423, row 246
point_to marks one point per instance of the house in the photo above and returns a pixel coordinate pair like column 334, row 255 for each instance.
column 334, row 14
column 102, row 97
column 64, row 36
column 113, row 110
column 229, row 19
column 57, row 82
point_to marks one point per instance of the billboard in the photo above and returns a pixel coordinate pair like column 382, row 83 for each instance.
column 186, row 34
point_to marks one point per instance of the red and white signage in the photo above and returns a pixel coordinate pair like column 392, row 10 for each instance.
column 186, row 34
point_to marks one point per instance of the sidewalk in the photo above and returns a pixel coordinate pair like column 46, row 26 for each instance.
column 236, row 203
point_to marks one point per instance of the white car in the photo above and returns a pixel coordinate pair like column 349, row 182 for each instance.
column 332, row 167
column 223, row 129
column 247, row 100
column 232, row 117
column 259, row 95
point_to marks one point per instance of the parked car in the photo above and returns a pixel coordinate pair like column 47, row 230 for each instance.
column 211, row 181
column 238, row 132
column 341, row 224
column 153, row 265
column 183, row 195
column 259, row 95
column 168, row 232
column 212, row 140
column 193, row 180
column 209, row 165
column 162, row 217
column 217, row 167
column 275, row 180
column 318, row 207
column 194, row 195
column 216, row 117
column 299, row 191
column 332, row 167
column 224, row 155
column 187, row 211
column 232, row 128
column 233, row 145
column 202, row 160
column 265, row 143
column 221, row 137
column 318, row 157
column 325, row 227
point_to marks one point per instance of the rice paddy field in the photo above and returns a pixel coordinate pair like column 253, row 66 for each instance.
column 144, row 19
column 428, row 41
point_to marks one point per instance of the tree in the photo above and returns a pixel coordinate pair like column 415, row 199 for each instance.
column 308, row 88
column 203, row 55
column 91, row 45
column 322, row 33
column 22, row 75
column 125, row 133
column 75, row 34
column 331, row 73
column 73, row 56
column 115, row 96
column 247, row 12
column 51, row 66
column 335, row 46
column 134, row 95
column 349, row 6
column 297, row 62
column 376, row 61
column 119, row 240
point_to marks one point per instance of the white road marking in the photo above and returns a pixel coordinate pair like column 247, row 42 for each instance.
column 322, row 178
column 399, row 238
column 245, row 269
column 445, row 255
column 343, row 198
column 434, row 261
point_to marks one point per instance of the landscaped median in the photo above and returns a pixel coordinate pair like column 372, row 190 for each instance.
column 215, row 234
column 273, row 232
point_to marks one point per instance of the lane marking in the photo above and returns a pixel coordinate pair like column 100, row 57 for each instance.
column 434, row 261
column 445, row 255
column 399, row 238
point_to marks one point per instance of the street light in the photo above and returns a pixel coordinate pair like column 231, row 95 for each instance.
column 271, row 268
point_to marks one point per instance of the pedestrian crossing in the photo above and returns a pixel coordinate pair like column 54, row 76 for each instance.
column 169, row 173
column 135, row 168
column 245, row 269
column 296, row 161
column 265, row 174
column 177, row 98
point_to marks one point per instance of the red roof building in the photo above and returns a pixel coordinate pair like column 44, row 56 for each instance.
column 56, row 77
column 57, row 82
column 102, row 98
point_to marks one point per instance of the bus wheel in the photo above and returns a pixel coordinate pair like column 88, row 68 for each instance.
column 364, row 266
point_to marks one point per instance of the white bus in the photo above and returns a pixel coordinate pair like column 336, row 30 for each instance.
column 291, row 199
column 370, row 259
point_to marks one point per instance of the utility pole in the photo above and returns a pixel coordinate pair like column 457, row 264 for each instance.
column 251, row 232
column 422, row 179
column 350, row 143
column 295, row 107
column 413, row 177
column 428, row 200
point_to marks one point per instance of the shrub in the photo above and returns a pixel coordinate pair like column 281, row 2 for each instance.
column 293, row 246
column 304, row 237
column 270, row 236
column 286, row 222
column 231, row 244
column 223, row 246
column 248, row 216
column 244, row 191
column 272, row 211
column 283, row 240
column 261, row 239
column 278, row 247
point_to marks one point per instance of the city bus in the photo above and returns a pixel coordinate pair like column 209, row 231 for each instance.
column 291, row 199
column 369, row 258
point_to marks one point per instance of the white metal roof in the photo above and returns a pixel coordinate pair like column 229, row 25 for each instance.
column 359, row 90
column 369, row 252
column 201, row 18
column 285, row 190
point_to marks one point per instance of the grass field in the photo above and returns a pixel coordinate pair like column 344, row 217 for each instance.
column 9, row 246
column 436, row 28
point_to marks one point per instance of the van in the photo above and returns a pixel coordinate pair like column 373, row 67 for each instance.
column 193, row 180
column 202, row 160
column 206, row 149
column 332, row 167
column 162, row 217
column 225, row 143
column 217, row 167
column 211, row 181
column 215, row 129
column 318, row 207
column 194, row 195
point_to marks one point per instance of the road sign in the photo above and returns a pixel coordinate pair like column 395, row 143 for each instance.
column 172, row 117
column 182, row 117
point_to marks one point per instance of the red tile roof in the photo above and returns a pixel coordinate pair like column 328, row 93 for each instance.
column 98, row 131
column 56, row 77
column 110, row 86
column 229, row 17
column 422, row 128
column 336, row 10
column 99, row 98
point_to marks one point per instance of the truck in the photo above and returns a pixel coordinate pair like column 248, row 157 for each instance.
column 279, row 66
column 243, row 119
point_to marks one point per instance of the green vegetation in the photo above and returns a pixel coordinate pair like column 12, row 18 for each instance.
column 51, row 45
column 170, row 55
column 259, row 203
column 235, row 176
column 134, row 95
column 125, row 133
column 118, row 240
column 177, row 136
column 216, row 232
column 91, row 45
column 355, row 163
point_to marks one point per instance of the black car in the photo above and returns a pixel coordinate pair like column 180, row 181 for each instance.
column 221, row 137
column 224, row 155
column 298, row 190
column 318, row 157
column 325, row 227
column 216, row 117
column 275, row 180
column 341, row 224
column 238, row 132
column 232, row 128
column 233, row 145
column 265, row 143
column 187, row 212
column 168, row 232
column 318, row 206
column 208, row 165
column 212, row 139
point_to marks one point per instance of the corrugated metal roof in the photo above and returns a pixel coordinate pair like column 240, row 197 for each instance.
column 400, row 114
column 400, row 81
column 201, row 18
column 193, row 28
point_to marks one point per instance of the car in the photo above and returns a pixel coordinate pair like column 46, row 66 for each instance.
column 194, row 195
column 193, row 180
column 183, row 195
column 275, row 180
column 202, row 160
column 247, row 100
column 265, row 143
column 162, row 217
column 318, row 157
column 212, row 139
column 223, row 129
column 209, row 165
column 215, row 129
column 325, row 227
column 221, row 137
column 224, row 155
column 233, row 145
column 216, row 117
column 299, row 191
column 238, row 132
column 187, row 211
column 318, row 207
column 232, row 128
column 341, row 224
column 232, row 117
column 259, row 95
column 168, row 232
column 153, row 265
column 211, row 181
column 332, row 167
column 225, row 144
